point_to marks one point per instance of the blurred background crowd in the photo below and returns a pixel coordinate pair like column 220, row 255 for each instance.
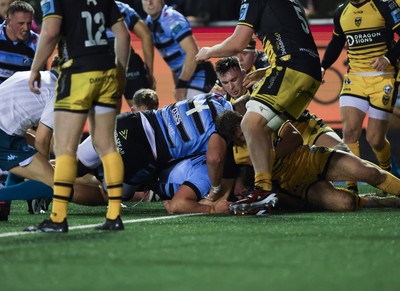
column 205, row 12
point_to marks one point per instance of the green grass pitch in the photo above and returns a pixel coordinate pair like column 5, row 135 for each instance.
column 282, row 251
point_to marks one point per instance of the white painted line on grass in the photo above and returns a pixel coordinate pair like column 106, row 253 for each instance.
column 19, row 233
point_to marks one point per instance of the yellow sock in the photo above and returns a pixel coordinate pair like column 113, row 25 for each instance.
column 355, row 149
column 383, row 156
column 64, row 177
column 114, row 175
column 359, row 202
column 263, row 180
column 391, row 184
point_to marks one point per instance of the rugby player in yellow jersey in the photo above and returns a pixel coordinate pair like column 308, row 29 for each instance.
column 306, row 172
column 367, row 27
column 289, row 85
column 91, row 81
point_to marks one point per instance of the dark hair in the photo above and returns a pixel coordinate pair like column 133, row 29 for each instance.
column 146, row 97
column 252, row 45
column 227, row 124
column 224, row 65
column 20, row 6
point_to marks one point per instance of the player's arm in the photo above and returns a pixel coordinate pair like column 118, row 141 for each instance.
column 43, row 137
column 188, row 44
column 122, row 51
column 47, row 43
column 234, row 44
column 185, row 201
column 289, row 139
column 143, row 33
column 337, row 42
column 215, row 158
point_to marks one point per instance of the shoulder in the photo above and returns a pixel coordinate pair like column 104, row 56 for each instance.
column 169, row 15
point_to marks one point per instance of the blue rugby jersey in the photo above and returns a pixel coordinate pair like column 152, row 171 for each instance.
column 187, row 125
column 168, row 30
column 14, row 55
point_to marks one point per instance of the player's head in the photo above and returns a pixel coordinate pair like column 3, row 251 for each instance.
column 153, row 7
column 248, row 56
column 144, row 99
column 228, row 126
column 19, row 20
column 231, row 75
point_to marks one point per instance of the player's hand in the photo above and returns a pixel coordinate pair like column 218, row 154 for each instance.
column 202, row 55
column 218, row 89
column 167, row 205
column 380, row 63
column 35, row 79
column 253, row 77
column 180, row 94
column 222, row 206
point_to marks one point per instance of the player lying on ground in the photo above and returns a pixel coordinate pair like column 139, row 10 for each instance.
column 307, row 172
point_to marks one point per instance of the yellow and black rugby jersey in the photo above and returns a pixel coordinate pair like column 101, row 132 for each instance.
column 83, row 30
column 282, row 27
column 368, row 29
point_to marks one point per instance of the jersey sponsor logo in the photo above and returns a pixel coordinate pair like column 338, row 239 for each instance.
column 176, row 28
column 280, row 44
column 124, row 134
column 47, row 7
column 362, row 38
column 101, row 79
column 11, row 157
column 119, row 144
column 176, row 116
column 243, row 11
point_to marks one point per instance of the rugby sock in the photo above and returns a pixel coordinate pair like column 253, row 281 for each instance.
column 359, row 202
column 391, row 184
column 64, row 177
column 26, row 191
column 114, row 175
column 383, row 156
column 263, row 180
column 355, row 149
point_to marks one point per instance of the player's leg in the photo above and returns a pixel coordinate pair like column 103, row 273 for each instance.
column 324, row 196
column 102, row 125
column 39, row 169
column 352, row 119
column 66, row 140
column 376, row 137
column 344, row 166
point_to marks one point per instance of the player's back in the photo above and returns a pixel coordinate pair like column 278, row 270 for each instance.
column 188, row 124
column 284, row 30
column 21, row 108
column 84, row 30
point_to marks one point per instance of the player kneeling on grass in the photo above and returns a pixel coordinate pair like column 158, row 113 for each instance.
column 306, row 172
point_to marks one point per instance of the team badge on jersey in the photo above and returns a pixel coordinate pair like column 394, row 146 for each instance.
column 47, row 7
column 243, row 11
column 385, row 99
column 387, row 89
column 357, row 21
